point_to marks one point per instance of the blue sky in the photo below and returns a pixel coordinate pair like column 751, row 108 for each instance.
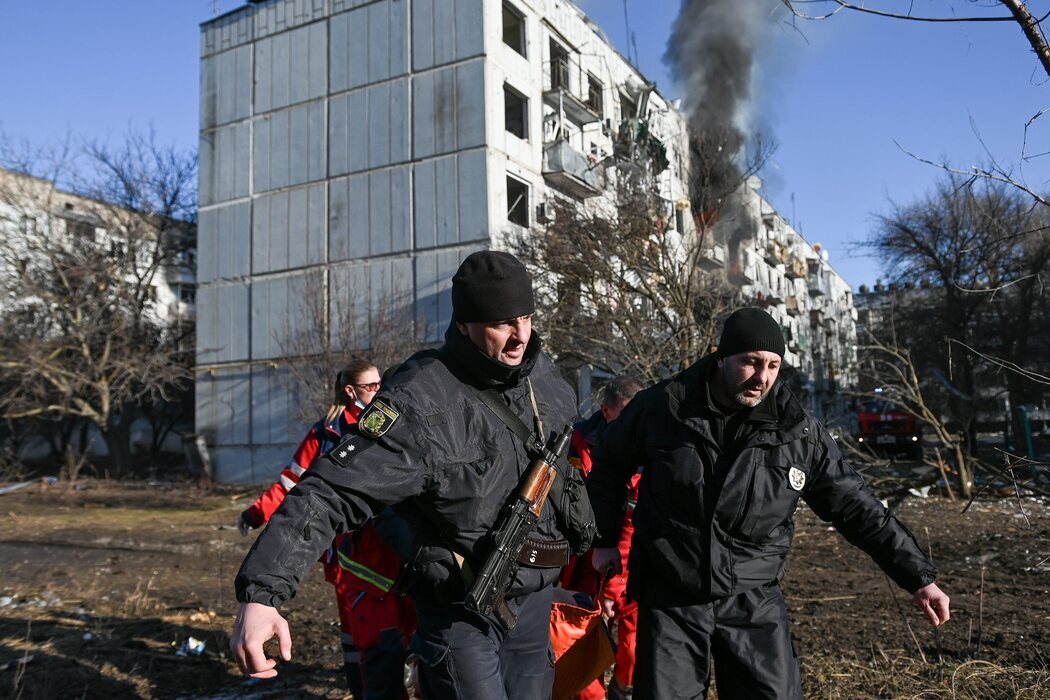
column 835, row 99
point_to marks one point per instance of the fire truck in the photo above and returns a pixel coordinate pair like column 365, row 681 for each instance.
column 886, row 427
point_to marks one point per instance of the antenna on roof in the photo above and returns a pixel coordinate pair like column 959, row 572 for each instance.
column 629, row 36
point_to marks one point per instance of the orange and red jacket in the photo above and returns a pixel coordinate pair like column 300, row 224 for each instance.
column 579, row 574
column 365, row 562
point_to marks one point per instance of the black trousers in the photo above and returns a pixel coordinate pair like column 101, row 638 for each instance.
column 747, row 636
column 464, row 655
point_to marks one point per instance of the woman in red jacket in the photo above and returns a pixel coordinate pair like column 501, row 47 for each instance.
column 375, row 622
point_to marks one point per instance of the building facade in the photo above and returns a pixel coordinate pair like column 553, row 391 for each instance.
column 364, row 148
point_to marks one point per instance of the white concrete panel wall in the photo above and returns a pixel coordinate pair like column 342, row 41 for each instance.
column 448, row 109
column 223, row 406
column 357, row 291
column 223, row 323
column 291, row 67
column 288, row 229
column 227, row 32
column 451, row 200
column 368, row 128
column 369, row 45
column 369, row 214
column 281, row 15
column 445, row 31
column 225, row 87
column 224, row 164
column 289, row 147
column 279, row 316
column 224, row 242
column 275, row 407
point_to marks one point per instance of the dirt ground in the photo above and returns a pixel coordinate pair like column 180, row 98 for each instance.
column 102, row 584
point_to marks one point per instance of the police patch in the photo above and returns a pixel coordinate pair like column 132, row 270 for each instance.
column 377, row 419
column 797, row 478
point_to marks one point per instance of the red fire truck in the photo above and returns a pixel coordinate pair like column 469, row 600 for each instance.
column 885, row 426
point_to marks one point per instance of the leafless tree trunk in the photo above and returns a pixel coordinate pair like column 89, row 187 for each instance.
column 385, row 332
column 890, row 367
column 88, row 239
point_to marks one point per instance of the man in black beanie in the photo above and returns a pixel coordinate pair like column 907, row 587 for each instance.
column 429, row 448
column 727, row 454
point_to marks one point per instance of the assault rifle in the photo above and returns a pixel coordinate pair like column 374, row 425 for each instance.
column 489, row 590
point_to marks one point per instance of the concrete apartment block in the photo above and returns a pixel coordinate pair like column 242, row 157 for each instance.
column 366, row 147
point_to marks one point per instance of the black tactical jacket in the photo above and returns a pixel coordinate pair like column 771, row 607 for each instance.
column 443, row 455
column 712, row 523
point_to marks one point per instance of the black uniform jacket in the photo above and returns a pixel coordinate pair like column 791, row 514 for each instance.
column 446, row 457
column 712, row 523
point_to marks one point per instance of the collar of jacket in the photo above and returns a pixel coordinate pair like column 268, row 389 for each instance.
column 476, row 368
column 348, row 417
column 591, row 427
column 689, row 397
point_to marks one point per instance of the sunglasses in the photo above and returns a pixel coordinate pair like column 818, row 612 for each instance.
column 371, row 386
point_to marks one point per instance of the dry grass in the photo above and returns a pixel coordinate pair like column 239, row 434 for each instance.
column 896, row 674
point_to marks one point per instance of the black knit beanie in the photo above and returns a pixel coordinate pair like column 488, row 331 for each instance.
column 748, row 330
column 491, row 286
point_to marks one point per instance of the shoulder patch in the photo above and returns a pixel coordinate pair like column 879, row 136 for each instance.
column 797, row 478
column 377, row 419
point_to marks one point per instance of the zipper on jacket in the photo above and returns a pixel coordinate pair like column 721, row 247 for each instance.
column 748, row 497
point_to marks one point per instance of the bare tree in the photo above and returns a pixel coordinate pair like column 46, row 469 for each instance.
column 627, row 288
column 1008, row 11
column 890, row 367
column 90, row 235
column 974, row 255
column 385, row 332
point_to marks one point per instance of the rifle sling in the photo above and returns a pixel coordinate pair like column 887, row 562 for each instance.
column 536, row 553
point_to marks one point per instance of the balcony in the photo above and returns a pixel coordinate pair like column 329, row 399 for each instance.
column 564, row 84
column 818, row 286
column 795, row 268
column 793, row 306
column 568, row 170
column 774, row 298
column 816, row 317
column 712, row 257
column 775, row 254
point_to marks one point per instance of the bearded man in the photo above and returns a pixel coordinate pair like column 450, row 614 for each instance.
column 727, row 454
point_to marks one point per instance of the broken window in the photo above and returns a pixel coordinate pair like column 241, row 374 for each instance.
column 628, row 108
column 513, row 28
column 515, row 112
column 517, row 201
column 594, row 95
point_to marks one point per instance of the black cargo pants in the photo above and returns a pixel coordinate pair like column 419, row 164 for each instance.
column 464, row 655
column 747, row 636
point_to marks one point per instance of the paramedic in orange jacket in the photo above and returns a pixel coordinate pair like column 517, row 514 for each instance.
column 579, row 574
column 375, row 622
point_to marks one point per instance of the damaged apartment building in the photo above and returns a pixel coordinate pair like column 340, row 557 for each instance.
column 364, row 148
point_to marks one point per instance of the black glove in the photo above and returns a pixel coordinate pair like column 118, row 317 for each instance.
column 245, row 523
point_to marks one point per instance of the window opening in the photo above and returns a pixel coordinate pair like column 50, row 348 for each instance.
column 515, row 112
column 513, row 28
column 517, row 202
